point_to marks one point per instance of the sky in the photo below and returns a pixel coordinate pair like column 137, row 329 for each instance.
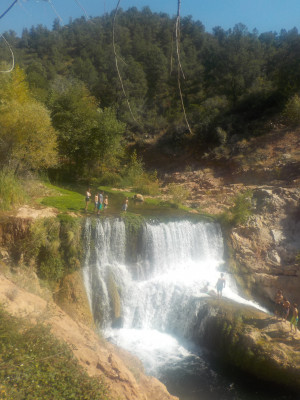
column 263, row 15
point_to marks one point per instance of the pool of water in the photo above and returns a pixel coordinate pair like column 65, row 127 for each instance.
column 190, row 372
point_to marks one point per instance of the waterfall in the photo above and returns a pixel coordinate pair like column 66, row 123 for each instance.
column 153, row 297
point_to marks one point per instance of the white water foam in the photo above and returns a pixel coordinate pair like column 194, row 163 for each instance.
column 175, row 261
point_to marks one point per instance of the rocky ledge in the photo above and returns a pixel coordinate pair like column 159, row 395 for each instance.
column 251, row 340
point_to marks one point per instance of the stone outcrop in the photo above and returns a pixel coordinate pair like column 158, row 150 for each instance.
column 250, row 340
column 263, row 253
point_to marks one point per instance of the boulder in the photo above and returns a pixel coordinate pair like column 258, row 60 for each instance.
column 251, row 340
column 138, row 198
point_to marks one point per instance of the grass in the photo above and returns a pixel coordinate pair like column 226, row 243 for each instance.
column 64, row 200
column 11, row 191
column 71, row 201
column 35, row 365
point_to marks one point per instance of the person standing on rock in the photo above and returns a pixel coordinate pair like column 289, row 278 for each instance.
column 100, row 201
column 278, row 303
column 285, row 308
column 96, row 202
column 105, row 202
column 87, row 198
column 125, row 204
column 220, row 285
column 294, row 320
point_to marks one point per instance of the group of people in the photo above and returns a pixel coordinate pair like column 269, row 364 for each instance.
column 220, row 285
column 100, row 201
column 283, row 309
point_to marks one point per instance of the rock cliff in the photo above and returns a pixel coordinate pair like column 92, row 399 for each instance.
column 264, row 252
column 250, row 340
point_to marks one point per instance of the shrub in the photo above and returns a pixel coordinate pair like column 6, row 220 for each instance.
column 179, row 194
column 141, row 181
column 240, row 211
column 109, row 178
column 134, row 170
column 147, row 184
column 242, row 207
column 291, row 113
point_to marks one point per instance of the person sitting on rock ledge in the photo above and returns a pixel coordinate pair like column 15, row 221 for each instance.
column 294, row 320
column 206, row 289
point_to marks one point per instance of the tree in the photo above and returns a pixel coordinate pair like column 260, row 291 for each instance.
column 87, row 135
column 27, row 138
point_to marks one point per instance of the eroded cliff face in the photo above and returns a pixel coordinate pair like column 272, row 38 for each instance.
column 263, row 252
column 122, row 372
column 66, row 310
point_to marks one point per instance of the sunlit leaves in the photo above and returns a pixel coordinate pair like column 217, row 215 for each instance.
column 27, row 139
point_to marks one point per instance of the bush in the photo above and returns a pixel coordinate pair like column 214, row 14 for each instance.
column 109, row 179
column 141, row 181
column 134, row 170
column 240, row 211
column 291, row 113
column 147, row 184
column 179, row 194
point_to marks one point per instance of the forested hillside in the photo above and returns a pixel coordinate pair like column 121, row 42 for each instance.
column 234, row 83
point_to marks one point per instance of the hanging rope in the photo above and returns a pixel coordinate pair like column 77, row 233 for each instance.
column 83, row 9
column 6, row 42
column 12, row 55
column 9, row 8
column 180, row 70
column 117, row 65
column 54, row 10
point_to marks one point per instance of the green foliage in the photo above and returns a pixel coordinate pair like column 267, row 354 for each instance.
column 141, row 181
column 179, row 194
column 89, row 137
column 54, row 244
column 63, row 199
column 242, row 207
column 240, row 211
column 234, row 78
column 109, row 178
column 27, row 137
column 11, row 191
column 225, row 70
column 148, row 184
column 134, row 170
column 291, row 111
column 35, row 365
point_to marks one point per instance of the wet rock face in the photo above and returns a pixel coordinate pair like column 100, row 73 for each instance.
column 265, row 250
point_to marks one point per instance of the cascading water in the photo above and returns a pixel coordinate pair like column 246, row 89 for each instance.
column 146, row 303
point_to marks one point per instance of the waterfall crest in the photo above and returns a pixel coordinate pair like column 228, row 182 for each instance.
column 174, row 261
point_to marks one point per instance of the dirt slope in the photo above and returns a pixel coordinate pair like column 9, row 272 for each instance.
column 121, row 371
